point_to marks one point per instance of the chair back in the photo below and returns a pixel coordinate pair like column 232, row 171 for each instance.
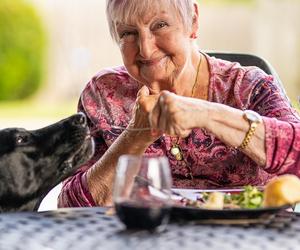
column 251, row 60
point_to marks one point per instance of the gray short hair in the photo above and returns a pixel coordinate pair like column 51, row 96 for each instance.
column 124, row 10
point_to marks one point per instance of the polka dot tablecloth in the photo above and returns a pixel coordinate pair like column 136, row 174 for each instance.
column 91, row 228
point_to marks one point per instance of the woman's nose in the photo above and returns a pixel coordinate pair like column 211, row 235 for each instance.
column 146, row 45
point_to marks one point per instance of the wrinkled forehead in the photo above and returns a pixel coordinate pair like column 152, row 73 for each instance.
column 130, row 12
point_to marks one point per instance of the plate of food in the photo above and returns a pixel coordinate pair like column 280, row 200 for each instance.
column 249, row 203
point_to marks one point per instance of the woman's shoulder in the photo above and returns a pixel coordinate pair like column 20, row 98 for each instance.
column 228, row 70
column 233, row 84
column 112, row 71
column 115, row 77
column 113, row 83
column 109, row 96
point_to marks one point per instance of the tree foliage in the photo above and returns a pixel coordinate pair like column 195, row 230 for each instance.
column 22, row 50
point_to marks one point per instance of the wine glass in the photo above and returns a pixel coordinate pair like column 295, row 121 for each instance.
column 142, row 191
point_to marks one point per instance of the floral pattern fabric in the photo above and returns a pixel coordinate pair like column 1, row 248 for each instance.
column 283, row 150
column 109, row 97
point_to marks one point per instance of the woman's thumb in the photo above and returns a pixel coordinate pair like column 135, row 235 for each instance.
column 144, row 91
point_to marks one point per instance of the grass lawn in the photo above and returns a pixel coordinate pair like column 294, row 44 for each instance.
column 33, row 114
column 34, row 109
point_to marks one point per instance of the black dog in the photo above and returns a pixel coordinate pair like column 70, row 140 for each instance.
column 33, row 162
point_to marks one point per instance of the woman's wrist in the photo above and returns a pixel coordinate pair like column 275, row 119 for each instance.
column 141, row 135
column 224, row 122
column 137, row 141
column 101, row 176
column 204, row 114
column 219, row 114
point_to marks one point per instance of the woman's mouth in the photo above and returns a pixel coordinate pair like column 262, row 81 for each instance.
column 151, row 62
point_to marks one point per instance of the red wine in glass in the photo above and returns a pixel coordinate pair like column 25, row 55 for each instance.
column 137, row 216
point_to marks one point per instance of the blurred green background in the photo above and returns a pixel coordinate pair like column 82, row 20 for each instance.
column 50, row 49
column 22, row 50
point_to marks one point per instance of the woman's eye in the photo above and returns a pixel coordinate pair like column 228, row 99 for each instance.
column 160, row 25
column 126, row 34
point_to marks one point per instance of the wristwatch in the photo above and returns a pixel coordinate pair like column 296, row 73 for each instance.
column 254, row 119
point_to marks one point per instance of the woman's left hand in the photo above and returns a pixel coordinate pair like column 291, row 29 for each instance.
column 177, row 115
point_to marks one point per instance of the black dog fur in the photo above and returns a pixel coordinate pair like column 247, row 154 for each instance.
column 33, row 162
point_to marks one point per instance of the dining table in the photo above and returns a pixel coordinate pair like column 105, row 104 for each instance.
column 94, row 228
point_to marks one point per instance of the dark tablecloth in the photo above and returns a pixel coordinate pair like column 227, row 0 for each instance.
column 91, row 228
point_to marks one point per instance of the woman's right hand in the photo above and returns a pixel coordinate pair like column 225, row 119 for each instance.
column 144, row 104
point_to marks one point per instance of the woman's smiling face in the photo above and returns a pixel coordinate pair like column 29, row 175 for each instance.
column 156, row 46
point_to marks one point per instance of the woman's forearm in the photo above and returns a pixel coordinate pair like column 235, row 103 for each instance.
column 229, row 126
column 100, row 177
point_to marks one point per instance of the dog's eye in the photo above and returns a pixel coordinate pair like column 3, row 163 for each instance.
column 21, row 139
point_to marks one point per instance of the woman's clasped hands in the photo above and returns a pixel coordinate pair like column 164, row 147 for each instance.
column 168, row 113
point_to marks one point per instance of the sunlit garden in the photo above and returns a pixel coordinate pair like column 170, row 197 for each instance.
column 45, row 60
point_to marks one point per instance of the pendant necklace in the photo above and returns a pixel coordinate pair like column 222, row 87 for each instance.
column 175, row 149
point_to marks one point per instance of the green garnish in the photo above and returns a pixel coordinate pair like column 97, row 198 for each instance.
column 251, row 197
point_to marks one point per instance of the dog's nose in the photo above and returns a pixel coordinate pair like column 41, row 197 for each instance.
column 80, row 120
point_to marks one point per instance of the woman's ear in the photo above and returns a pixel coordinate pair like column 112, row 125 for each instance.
column 195, row 22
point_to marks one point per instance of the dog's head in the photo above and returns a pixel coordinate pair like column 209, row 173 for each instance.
column 33, row 162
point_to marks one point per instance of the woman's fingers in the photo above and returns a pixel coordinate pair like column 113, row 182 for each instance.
column 168, row 121
column 141, row 96
column 146, row 100
column 154, row 116
column 144, row 91
column 162, row 119
column 168, row 114
column 158, row 117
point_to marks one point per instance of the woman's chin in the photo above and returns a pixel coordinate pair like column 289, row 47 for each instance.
column 155, row 80
column 155, row 76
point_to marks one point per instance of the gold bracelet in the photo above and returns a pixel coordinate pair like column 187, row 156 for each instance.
column 248, row 136
column 254, row 119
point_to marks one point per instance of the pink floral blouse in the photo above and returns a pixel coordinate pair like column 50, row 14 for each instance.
column 109, row 97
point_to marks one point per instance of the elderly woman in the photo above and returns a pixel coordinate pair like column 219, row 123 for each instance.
column 157, row 42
